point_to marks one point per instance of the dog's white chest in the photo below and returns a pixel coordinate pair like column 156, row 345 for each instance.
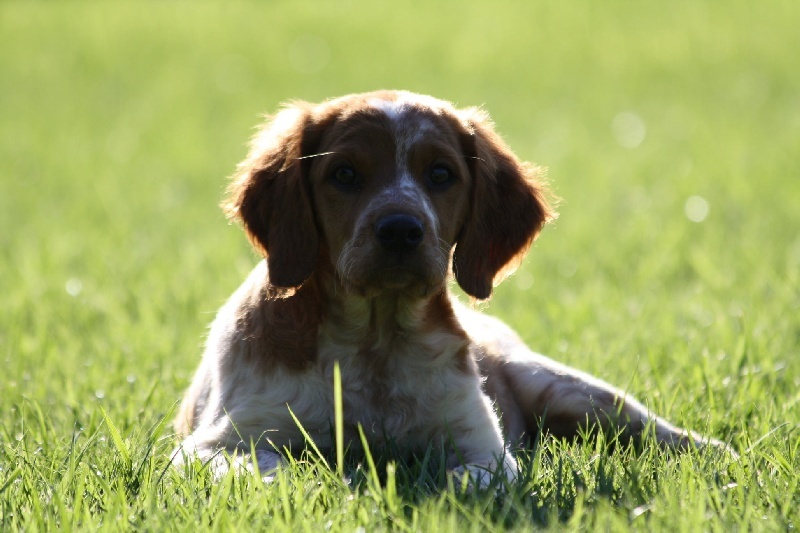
column 400, row 396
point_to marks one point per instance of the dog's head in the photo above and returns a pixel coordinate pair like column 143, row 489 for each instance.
column 382, row 186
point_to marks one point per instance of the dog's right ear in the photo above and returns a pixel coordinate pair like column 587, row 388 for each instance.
column 270, row 195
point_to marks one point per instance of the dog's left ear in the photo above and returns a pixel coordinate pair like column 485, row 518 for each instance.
column 271, row 196
column 508, row 209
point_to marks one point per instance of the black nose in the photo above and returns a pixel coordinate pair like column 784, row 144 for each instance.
column 399, row 233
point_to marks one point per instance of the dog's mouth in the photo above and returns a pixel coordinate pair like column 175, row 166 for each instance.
column 398, row 277
column 412, row 277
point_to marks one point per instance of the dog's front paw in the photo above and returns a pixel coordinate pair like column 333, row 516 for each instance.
column 268, row 464
column 472, row 477
column 483, row 476
column 219, row 462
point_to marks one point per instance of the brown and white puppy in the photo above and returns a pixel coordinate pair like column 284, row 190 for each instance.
column 360, row 206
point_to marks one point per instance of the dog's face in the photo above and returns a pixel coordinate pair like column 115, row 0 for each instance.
column 391, row 195
column 382, row 187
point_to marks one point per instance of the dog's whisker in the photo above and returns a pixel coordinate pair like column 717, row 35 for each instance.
column 313, row 155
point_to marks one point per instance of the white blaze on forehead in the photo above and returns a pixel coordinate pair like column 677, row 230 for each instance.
column 395, row 109
column 408, row 130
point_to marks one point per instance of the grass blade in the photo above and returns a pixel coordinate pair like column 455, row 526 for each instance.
column 308, row 438
column 338, row 419
column 373, row 472
column 116, row 438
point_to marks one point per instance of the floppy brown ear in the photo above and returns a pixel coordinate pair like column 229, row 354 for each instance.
column 270, row 195
column 508, row 209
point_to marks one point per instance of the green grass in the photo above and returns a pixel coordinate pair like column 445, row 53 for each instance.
column 119, row 122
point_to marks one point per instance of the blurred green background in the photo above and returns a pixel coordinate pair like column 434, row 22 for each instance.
column 671, row 131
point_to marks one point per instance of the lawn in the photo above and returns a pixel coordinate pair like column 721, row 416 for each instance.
column 671, row 131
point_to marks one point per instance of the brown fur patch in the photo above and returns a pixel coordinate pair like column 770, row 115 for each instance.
column 281, row 331
column 439, row 315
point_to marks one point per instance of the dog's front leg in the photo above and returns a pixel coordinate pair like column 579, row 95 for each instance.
column 479, row 452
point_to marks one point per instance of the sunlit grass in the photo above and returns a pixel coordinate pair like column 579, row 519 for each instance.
column 670, row 132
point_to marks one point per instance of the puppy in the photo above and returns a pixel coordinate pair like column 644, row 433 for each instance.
column 362, row 206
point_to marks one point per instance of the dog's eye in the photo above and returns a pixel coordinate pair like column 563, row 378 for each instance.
column 440, row 175
column 345, row 178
